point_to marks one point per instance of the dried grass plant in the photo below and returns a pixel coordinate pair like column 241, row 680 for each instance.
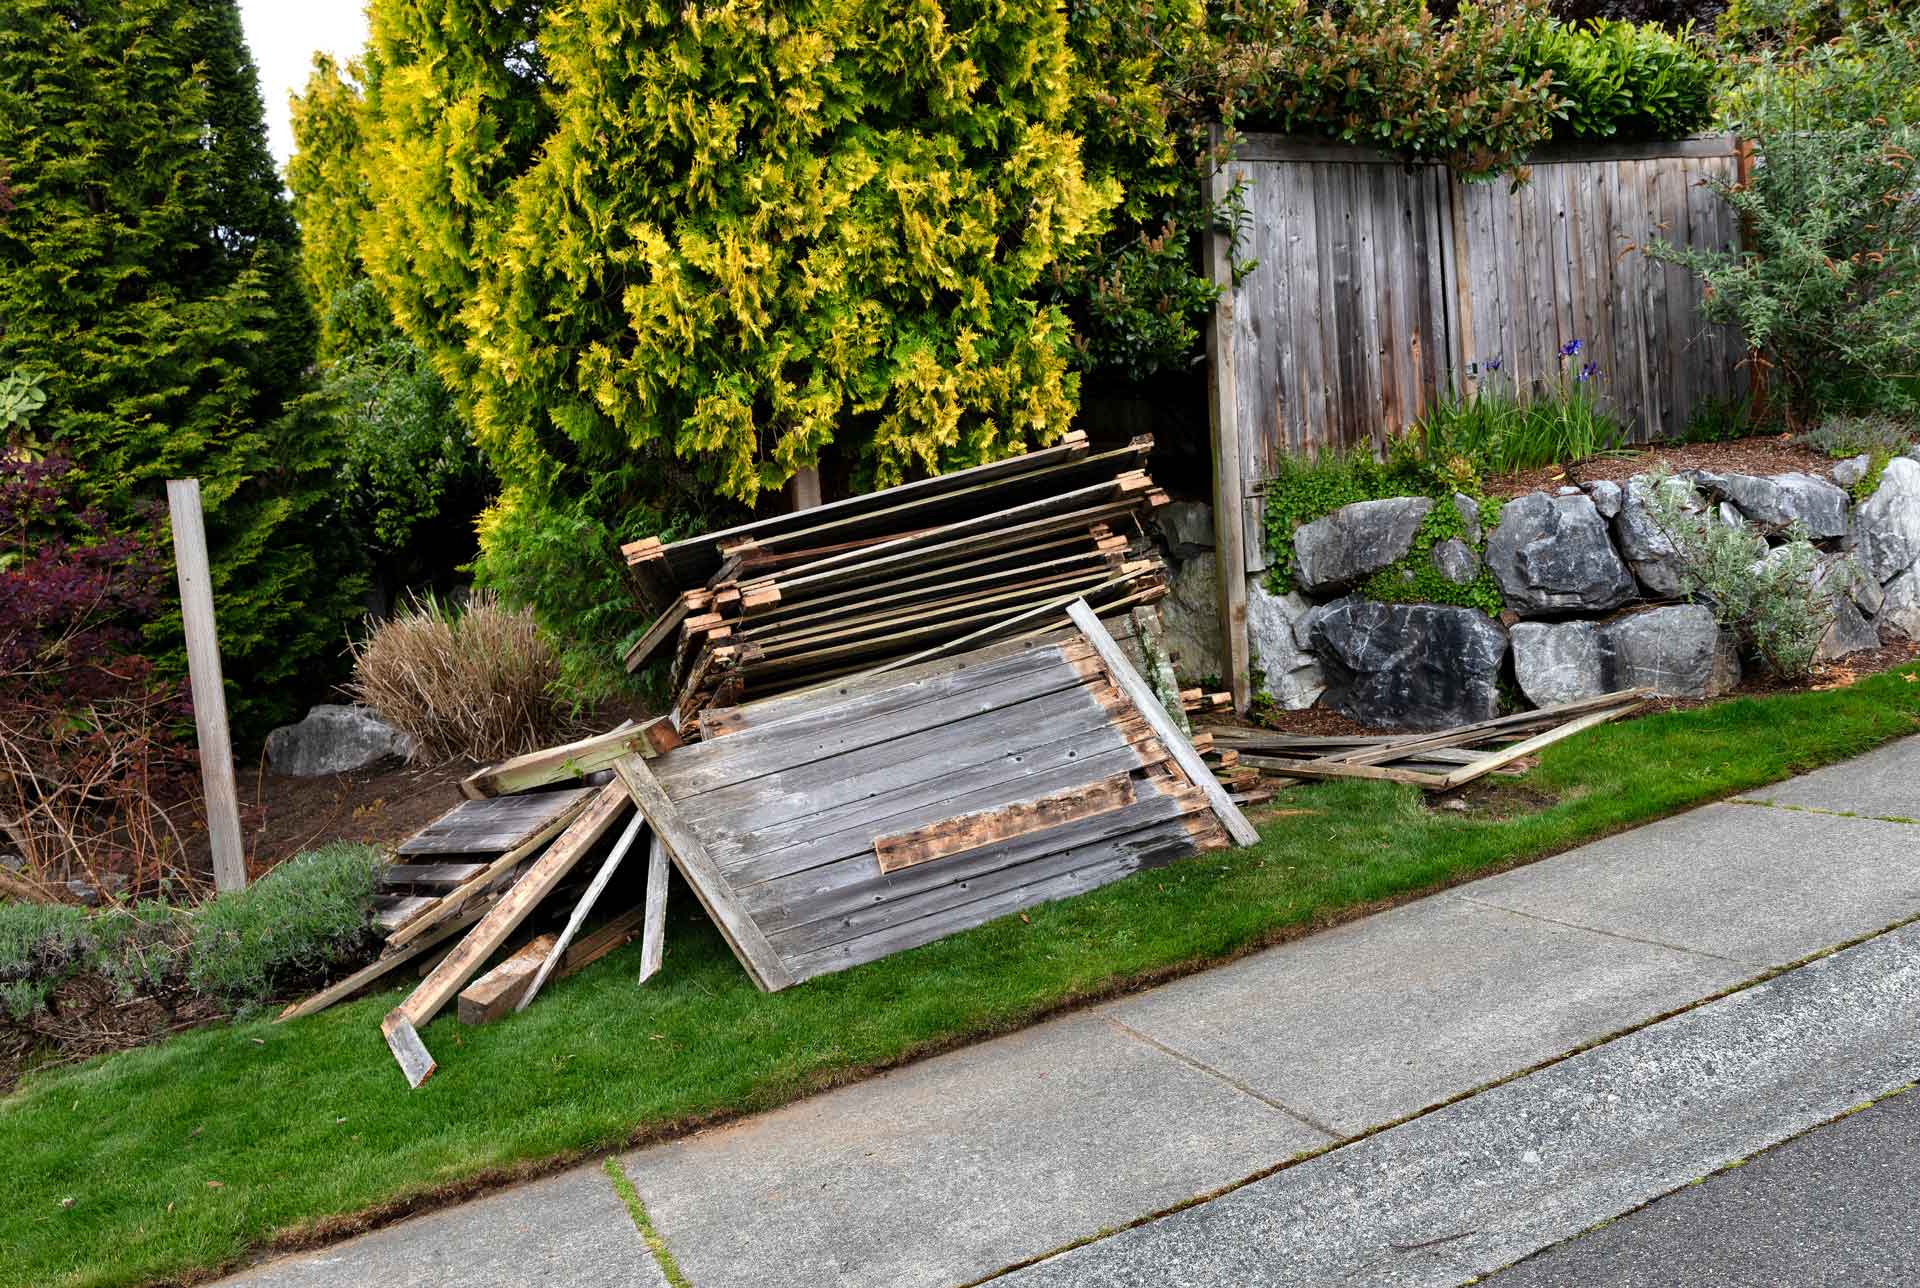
column 481, row 681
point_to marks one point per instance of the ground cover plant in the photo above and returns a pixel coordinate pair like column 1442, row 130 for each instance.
column 153, row 1163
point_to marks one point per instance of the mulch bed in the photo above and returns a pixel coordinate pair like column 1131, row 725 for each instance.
column 1774, row 454
column 86, row 1017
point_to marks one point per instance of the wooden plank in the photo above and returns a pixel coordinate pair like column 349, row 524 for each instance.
column 991, row 869
column 415, row 1061
column 452, row 903
column 208, row 689
column 815, row 843
column 493, row 825
column 495, row 993
column 1488, row 764
column 429, row 874
column 608, row 866
column 657, row 636
column 983, row 827
column 762, row 964
column 1104, row 864
column 1454, row 737
column 367, row 976
column 571, row 760
column 397, row 910
column 1122, row 673
column 654, row 924
column 513, row 908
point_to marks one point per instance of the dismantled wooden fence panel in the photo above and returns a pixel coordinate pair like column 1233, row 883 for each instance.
column 873, row 815
column 492, row 826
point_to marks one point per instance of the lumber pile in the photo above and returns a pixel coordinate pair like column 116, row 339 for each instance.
column 897, row 576
column 819, row 829
column 1441, row 761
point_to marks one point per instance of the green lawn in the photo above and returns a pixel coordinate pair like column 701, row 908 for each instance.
column 178, row 1158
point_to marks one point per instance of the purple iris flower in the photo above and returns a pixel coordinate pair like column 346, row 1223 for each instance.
column 1589, row 371
column 1570, row 349
column 1493, row 364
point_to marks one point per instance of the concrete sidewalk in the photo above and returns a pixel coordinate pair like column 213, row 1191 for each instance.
column 954, row 1169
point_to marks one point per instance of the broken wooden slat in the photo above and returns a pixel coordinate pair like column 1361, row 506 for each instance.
column 1149, row 706
column 500, row 921
column 492, row 826
column 573, row 760
column 660, row 634
column 1488, row 764
column 654, row 928
column 429, row 874
column 1453, row 737
column 971, row 831
column 690, row 855
column 378, row 969
column 489, row 998
column 608, row 866
column 394, row 911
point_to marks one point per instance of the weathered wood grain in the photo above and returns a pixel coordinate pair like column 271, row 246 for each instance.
column 897, row 850
column 653, row 936
column 494, row 825
column 571, row 760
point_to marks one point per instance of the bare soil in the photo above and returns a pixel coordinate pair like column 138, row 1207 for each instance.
column 1773, row 454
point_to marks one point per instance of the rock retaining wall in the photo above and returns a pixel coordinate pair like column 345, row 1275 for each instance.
column 1588, row 583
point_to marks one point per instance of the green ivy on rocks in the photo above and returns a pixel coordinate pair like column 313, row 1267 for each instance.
column 1415, row 580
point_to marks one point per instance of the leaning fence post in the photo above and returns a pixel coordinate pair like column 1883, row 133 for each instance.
column 203, row 672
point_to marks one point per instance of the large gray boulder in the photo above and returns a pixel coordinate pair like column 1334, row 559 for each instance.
column 1552, row 555
column 1355, row 541
column 1605, row 494
column 1851, row 632
column 1900, row 609
column 1420, row 666
column 1677, row 651
column 1278, row 639
column 1781, row 499
column 1646, row 547
column 335, row 740
column 1187, row 527
column 1191, row 611
column 1887, row 524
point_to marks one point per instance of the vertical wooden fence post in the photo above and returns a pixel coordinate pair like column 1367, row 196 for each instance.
column 1223, row 406
column 803, row 490
column 209, row 697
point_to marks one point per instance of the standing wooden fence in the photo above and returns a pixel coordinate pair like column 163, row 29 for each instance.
column 1379, row 285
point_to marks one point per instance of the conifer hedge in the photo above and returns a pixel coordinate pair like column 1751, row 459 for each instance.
column 148, row 282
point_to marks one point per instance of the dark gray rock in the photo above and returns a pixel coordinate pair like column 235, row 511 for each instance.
column 1421, row 666
column 1887, row 524
column 1645, row 546
column 1676, row 651
column 1187, row 527
column 1851, row 632
column 1781, row 499
column 1191, row 611
column 1605, row 495
column 335, row 740
column 1469, row 511
column 1552, row 555
column 1277, row 637
column 1356, row 541
column 1456, row 561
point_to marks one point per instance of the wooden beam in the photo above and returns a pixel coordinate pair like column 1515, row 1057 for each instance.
column 1156, row 716
column 571, row 760
column 501, row 920
column 208, row 689
column 1488, row 764
column 965, row 832
column 703, row 874
column 1223, row 414
column 608, row 866
column 493, row 994
column 654, row 927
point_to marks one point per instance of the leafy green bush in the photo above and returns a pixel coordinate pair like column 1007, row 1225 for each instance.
column 296, row 923
column 1623, row 80
column 1780, row 601
column 1841, row 436
column 1825, row 283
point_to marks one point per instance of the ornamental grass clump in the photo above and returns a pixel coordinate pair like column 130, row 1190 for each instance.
column 480, row 682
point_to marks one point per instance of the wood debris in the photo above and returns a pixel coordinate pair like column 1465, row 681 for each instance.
column 1438, row 761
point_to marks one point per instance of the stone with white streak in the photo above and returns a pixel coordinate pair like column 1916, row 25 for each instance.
column 335, row 740
column 1191, row 611
column 1648, row 549
column 1887, row 524
column 1279, row 640
column 1677, row 651
column 1419, row 666
column 1552, row 555
column 1775, row 501
column 1900, row 610
column 1355, row 541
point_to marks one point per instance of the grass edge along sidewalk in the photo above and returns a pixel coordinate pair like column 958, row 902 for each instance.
column 174, row 1161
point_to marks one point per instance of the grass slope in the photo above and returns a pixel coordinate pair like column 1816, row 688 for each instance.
column 176, row 1159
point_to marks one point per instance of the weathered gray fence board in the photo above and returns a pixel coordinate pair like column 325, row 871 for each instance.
column 1378, row 281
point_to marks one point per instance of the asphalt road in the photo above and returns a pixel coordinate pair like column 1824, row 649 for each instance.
column 1838, row 1205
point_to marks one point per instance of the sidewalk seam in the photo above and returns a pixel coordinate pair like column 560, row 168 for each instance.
column 629, row 1194
column 1229, row 1079
column 1611, row 934
column 1826, row 813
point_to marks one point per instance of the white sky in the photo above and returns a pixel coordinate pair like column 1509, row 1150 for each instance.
column 283, row 35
